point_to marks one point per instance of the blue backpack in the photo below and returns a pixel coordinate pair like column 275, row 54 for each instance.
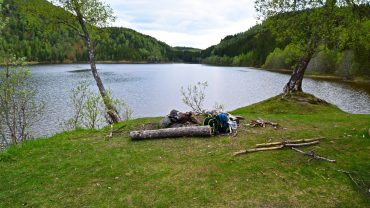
column 220, row 123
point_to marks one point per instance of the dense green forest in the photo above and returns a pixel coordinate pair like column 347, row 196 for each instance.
column 40, row 40
column 258, row 47
column 249, row 48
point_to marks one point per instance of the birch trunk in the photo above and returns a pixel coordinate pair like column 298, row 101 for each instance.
column 111, row 109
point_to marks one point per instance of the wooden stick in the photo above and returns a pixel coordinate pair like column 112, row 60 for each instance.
column 110, row 135
column 274, row 148
column 258, row 150
column 288, row 142
column 313, row 155
column 350, row 176
column 302, row 144
column 279, row 176
column 262, row 123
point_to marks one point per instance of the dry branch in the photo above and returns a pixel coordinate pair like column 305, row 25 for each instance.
column 262, row 123
column 258, row 150
column 288, row 142
column 350, row 176
column 301, row 144
column 313, row 155
column 110, row 135
column 274, row 148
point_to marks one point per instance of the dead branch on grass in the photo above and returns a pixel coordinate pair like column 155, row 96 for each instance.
column 313, row 155
column 276, row 147
column 288, row 142
column 263, row 123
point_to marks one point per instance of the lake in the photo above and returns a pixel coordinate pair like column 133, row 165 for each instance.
column 154, row 89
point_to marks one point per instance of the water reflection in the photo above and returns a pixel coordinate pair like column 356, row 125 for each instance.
column 153, row 90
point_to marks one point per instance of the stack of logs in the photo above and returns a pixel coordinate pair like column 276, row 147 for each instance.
column 263, row 123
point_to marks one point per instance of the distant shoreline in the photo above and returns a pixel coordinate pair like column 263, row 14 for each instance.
column 332, row 77
column 98, row 62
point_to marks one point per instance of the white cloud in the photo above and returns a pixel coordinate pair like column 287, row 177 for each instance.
column 193, row 23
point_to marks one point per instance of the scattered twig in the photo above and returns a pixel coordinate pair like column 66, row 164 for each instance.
column 279, row 176
column 262, row 173
column 110, row 135
column 274, row 148
column 301, row 144
column 288, row 142
column 350, row 176
column 313, row 155
column 258, row 150
column 262, row 123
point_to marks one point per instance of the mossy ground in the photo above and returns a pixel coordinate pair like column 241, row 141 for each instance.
column 83, row 169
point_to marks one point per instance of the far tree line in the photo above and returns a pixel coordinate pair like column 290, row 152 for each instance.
column 277, row 43
column 33, row 33
column 347, row 54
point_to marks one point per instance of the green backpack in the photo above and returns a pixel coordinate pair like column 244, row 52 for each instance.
column 219, row 123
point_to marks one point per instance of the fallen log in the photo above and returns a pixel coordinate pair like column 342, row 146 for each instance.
column 193, row 131
column 274, row 148
column 288, row 142
column 313, row 155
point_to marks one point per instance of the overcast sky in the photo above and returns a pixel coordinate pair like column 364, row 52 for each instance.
column 192, row 23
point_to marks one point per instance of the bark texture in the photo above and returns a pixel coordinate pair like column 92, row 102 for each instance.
column 194, row 131
column 111, row 109
column 295, row 81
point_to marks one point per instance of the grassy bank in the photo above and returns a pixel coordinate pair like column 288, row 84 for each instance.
column 82, row 169
column 317, row 75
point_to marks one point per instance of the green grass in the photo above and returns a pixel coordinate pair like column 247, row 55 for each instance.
column 83, row 169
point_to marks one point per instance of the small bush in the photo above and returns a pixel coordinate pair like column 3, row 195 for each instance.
column 284, row 59
column 194, row 96
column 275, row 60
column 248, row 59
column 324, row 61
column 89, row 111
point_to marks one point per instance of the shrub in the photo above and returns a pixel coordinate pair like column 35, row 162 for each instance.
column 284, row 59
column 194, row 96
column 88, row 108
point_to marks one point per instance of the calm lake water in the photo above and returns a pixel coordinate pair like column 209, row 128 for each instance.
column 154, row 89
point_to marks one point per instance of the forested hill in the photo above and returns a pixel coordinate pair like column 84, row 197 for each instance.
column 41, row 40
column 258, row 47
column 249, row 48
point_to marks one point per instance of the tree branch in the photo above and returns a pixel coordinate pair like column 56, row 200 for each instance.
column 275, row 148
column 288, row 142
column 78, row 31
column 313, row 155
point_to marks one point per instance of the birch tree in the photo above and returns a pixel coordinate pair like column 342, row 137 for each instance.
column 83, row 16
column 310, row 24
